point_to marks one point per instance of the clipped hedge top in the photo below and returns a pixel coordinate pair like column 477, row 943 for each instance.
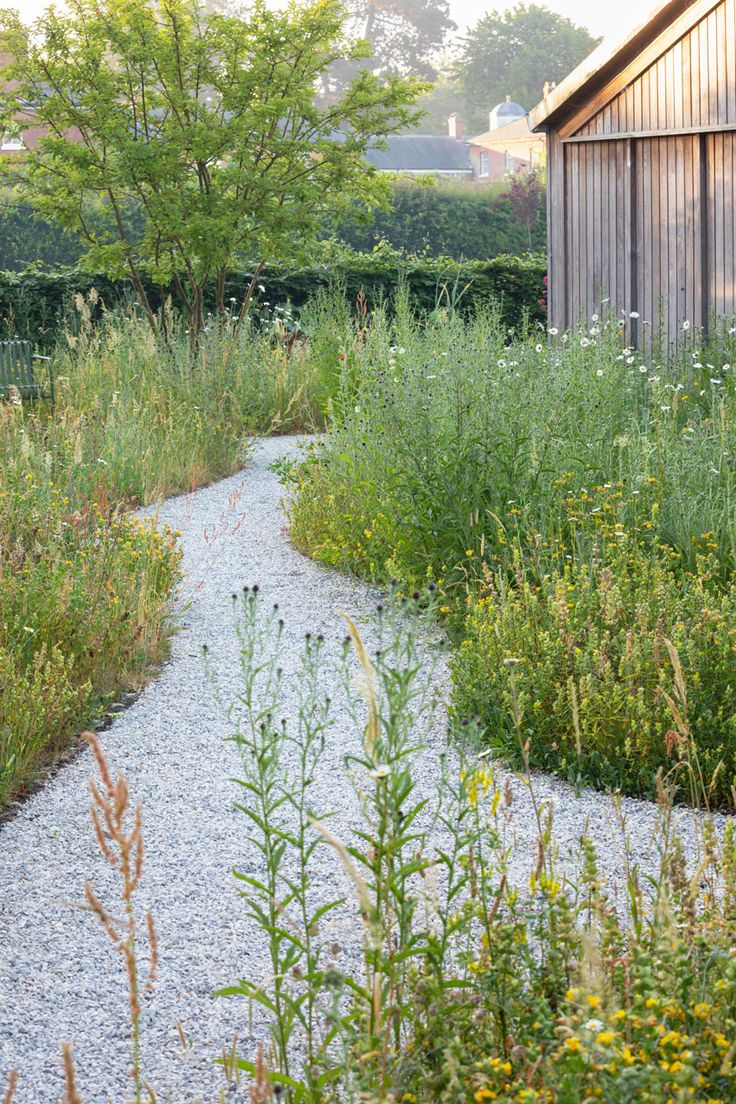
column 34, row 304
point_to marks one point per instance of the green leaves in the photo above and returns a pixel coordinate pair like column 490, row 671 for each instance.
column 206, row 124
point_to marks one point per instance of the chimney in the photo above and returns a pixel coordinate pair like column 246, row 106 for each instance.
column 455, row 126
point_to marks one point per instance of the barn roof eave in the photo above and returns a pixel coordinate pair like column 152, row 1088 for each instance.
column 606, row 61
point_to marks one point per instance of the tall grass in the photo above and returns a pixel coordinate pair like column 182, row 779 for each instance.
column 85, row 587
column 486, row 465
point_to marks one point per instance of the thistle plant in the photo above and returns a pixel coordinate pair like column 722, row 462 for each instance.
column 467, row 987
column 278, row 774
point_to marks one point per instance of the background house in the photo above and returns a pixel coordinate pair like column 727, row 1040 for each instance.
column 509, row 145
column 641, row 170
column 424, row 155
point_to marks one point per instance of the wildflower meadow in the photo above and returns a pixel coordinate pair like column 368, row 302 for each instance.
column 86, row 584
column 572, row 500
column 550, row 517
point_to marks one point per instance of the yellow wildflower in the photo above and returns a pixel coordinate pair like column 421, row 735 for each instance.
column 606, row 1038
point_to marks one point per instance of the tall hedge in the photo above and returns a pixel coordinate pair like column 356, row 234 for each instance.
column 448, row 219
column 27, row 240
column 35, row 304
column 440, row 218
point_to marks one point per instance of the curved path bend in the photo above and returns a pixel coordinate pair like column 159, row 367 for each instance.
column 60, row 981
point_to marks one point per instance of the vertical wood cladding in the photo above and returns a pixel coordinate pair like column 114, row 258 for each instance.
column 643, row 191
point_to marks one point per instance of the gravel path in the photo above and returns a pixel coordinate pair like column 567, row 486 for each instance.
column 59, row 978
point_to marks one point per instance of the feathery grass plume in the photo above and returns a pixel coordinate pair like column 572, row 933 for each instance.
column 367, row 909
column 260, row 1090
column 119, row 833
column 12, row 1085
column 366, row 685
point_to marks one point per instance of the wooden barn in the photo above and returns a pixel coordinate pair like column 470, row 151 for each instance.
column 641, row 169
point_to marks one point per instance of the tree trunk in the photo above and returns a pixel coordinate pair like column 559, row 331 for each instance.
column 220, row 293
column 247, row 299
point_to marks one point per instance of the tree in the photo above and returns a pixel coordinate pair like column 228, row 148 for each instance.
column 513, row 53
column 194, row 137
column 439, row 103
column 401, row 36
column 525, row 194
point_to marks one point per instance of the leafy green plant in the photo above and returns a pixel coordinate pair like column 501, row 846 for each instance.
column 509, row 471
column 468, row 988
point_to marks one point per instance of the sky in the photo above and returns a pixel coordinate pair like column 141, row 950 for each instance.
column 600, row 18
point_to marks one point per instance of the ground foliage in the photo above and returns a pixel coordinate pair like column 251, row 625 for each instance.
column 572, row 499
column 85, row 585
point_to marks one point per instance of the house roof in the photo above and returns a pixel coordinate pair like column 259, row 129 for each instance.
column 421, row 153
column 613, row 56
column 515, row 134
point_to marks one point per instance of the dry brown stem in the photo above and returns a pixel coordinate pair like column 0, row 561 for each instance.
column 12, row 1085
column 122, row 848
column 153, row 946
column 260, row 1090
column 71, row 1095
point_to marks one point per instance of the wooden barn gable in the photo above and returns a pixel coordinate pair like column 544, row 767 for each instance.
column 642, row 174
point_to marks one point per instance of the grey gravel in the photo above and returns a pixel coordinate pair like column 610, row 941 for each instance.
column 60, row 981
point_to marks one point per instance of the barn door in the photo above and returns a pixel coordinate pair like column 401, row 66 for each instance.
column 598, row 252
column 669, row 232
